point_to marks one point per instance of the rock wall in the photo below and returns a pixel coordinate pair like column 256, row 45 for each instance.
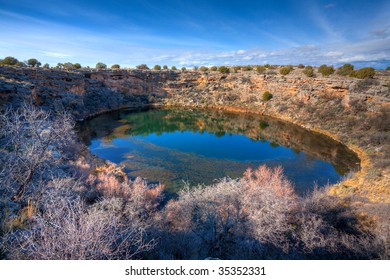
column 87, row 93
column 83, row 93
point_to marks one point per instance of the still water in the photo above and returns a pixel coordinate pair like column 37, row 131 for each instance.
column 178, row 146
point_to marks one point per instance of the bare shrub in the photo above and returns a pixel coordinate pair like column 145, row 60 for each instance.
column 141, row 199
column 211, row 214
column 268, row 202
column 68, row 229
column 232, row 215
column 33, row 142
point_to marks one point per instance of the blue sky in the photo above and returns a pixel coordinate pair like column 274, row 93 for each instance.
column 188, row 33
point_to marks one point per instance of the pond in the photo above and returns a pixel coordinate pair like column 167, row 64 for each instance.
column 179, row 146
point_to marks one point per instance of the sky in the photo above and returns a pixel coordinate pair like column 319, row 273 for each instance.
column 195, row 33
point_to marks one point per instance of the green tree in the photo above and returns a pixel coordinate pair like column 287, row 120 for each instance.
column 213, row 68
column 195, row 68
column 203, row 68
column 101, row 65
column 173, row 68
column 301, row 66
column 345, row 70
column 325, row 70
column 183, row 69
column 76, row 65
column 9, row 60
column 33, row 62
column 46, row 65
column 165, row 67
column 142, row 67
column 115, row 66
column 308, row 71
column 157, row 67
column 388, row 68
column 223, row 70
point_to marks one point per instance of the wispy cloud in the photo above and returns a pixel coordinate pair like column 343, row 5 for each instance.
column 56, row 55
column 330, row 5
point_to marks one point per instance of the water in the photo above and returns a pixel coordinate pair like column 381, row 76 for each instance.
column 178, row 146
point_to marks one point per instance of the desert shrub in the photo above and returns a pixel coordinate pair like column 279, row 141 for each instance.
column 263, row 125
column 173, row 68
column 46, row 65
column 183, row 69
column 267, row 96
column 325, row 70
column 195, row 68
column 157, row 67
column 301, row 66
column 247, row 68
column 223, row 69
column 260, row 69
column 203, row 68
column 309, row 71
column 236, row 69
column 363, row 73
column 101, row 65
column 380, row 120
column 285, row 70
column 213, row 68
column 345, row 70
column 388, row 68
column 165, row 67
column 142, row 67
column 365, row 84
column 115, row 66
column 267, row 65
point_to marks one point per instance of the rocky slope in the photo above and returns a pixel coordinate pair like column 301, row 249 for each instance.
column 355, row 112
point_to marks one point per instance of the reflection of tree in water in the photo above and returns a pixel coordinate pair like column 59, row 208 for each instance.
column 258, row 128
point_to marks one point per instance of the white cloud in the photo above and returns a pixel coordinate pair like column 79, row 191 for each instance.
column 56, row 55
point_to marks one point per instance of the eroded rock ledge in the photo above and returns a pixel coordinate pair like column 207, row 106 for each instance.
column 354, row 112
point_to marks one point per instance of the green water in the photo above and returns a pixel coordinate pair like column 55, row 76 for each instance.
column 188, row 146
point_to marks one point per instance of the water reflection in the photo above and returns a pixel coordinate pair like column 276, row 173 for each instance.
column 198, row 146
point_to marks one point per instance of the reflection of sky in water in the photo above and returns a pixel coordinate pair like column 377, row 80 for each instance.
column 228, row 146
column 203, row 157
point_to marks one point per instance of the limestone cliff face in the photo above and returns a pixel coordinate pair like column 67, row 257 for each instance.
column 88, row 93
column 82, row 93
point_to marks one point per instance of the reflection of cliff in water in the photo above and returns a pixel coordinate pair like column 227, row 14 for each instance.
column 258, row 128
